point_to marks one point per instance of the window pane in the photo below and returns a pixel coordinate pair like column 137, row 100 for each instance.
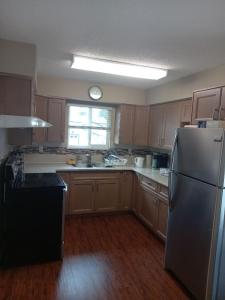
column 98, row 137
column 79, row 116
column 78, row 137
column 100, row 117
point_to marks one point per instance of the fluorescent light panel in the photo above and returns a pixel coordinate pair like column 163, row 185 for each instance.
column 117, row 68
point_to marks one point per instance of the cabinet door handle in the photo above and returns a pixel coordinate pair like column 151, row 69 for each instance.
column 96, row 187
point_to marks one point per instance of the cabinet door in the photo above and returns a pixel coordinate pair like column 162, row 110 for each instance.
column 81, row 196
column 206, row 104
column 56, row 116
column 124, row 125
column 16, row 95
column 148, row 207
column 40, row 111
column 135, row 195
column 186, row 108
column 171, row 123
column 65, row 177
column 156, row 125
column 107, row 195
column 162, row 217
column 141, row 125
column 222, row 107
column 126, row 184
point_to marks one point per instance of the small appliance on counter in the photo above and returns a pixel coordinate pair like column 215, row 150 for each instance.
column 159, row 160
column 148, row 161
column 139, row 162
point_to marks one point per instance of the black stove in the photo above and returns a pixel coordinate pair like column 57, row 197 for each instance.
column 32, row 210
column 40, row 180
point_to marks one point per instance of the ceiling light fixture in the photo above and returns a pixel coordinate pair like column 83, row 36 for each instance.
column 117, row 68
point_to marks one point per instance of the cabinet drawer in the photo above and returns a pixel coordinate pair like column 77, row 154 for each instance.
column 93, row 175
column 163, row 191
column 148, row 183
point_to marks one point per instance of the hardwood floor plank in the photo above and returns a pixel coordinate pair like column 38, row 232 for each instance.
column 105, row 258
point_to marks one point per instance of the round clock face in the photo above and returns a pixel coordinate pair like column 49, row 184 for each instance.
column 95, row 93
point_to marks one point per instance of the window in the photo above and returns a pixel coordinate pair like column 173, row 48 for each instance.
column 89, row 126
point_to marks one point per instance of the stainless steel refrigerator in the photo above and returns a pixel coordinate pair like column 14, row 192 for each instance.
column 195, row 247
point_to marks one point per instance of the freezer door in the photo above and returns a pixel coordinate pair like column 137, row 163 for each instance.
column 199, row 153
column 190, row 227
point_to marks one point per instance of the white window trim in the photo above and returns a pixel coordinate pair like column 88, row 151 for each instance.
column 91, row 147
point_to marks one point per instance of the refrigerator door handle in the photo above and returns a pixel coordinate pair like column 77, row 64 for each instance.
column 171, row 170
column 173, row 152
column 169, row 189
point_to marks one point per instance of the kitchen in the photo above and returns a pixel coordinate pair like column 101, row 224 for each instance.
column 97, row 169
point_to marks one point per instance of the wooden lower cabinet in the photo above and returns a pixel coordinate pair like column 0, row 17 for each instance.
column 81, row 195
column 106, row 195
column 162, row 217
column 152, row 206
column 91, row 192
column 107, row 191
column 126, row 190
column 148, row 208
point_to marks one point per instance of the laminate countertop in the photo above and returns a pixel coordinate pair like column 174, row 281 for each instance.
column 61, row 167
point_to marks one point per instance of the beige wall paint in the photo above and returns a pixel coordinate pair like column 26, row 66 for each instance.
column 17, row 58
column 183, row 88
column 77, row 89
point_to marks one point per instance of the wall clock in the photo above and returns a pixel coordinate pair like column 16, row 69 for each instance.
column 95, row 92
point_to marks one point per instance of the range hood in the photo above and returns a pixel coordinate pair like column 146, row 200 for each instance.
column 10, row 121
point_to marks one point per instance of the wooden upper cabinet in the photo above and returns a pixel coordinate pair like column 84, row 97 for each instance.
column 56, row 116
column 186, row 109
column 171, row 123
column 16, row 95
column 40, row 111
column 141, row 125
column 124, row 124
column 156, row 125
column 206, row 104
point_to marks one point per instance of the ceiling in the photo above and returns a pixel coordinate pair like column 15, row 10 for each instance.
column 183, row 36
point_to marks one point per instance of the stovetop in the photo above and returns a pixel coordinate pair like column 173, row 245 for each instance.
column 41, row 180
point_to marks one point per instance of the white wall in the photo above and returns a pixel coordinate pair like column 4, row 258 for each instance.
column 183, row 88
column 17, row 58
column 77, row 89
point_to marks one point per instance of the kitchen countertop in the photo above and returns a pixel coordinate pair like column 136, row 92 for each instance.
column 61, row 167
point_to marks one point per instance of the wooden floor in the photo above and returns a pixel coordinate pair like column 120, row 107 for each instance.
column 106, row 258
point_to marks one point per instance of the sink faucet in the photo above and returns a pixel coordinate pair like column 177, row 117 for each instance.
column 89, row 163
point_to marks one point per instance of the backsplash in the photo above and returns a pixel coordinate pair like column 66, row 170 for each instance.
column 63, row 150
column 61, row 154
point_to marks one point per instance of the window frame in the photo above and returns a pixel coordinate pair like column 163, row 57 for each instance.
column 108, row 129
